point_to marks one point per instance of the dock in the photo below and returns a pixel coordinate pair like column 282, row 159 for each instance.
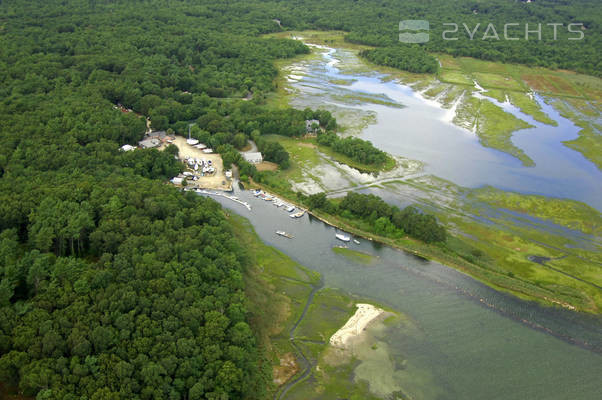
column 233, row 198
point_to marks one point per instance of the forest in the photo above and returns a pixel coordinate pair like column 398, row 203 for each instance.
column 357, row 149
column 382, row 218
column 114, row 285
column 407, row 58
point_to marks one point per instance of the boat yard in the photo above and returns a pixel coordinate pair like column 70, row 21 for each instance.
column 205, row 170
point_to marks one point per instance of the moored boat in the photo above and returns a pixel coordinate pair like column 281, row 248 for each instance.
column 283, row 233
column 297, row 215
column 342, row 237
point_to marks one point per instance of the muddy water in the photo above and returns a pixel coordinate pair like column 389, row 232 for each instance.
column 461, row 339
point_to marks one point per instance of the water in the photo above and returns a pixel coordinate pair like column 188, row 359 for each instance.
column 422, row 130
column 470, row 341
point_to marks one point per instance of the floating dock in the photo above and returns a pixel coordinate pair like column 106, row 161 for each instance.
column 233, row 198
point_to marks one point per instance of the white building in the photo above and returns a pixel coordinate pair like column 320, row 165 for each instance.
column 253, row 157
column 310, row 123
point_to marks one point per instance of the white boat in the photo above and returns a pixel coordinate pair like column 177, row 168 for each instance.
column 342, row 237
column 356, row 241
column 297, row 215
column 290, row 208
column 283, row 233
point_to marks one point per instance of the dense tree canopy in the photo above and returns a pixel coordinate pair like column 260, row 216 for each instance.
column 382, row 218
column 123, row 289
column 115, row 286
column 408, row 58
column 357, row 149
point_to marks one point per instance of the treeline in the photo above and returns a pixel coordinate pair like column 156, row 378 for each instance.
column 113, row 285
column 377, row 24
column 274, row 152
column 381, row 218
column 357, row 149
column 119, row 288
column 232, row 156
column 408, row 58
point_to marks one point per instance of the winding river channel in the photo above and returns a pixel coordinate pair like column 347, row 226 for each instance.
column 404, row 123
column 466, row 341
column 469, row 341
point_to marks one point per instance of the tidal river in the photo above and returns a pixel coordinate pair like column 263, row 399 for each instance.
column 468, row 341
column 403, row 123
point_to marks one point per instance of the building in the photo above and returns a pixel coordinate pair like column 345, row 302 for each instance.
column 161, row 135
column 253, row 157
column 149, row 143
column 309, row 125
column 127, row 147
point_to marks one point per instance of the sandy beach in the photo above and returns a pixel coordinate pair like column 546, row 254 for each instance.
column 364, row 314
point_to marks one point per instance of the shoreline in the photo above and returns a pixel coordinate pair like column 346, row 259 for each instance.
column 364, row 315
column 464, row 267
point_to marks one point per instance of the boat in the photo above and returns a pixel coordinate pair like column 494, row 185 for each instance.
column 342, row 237
column 297, row 215
column 290, row 208
column 356, row 241
column 283, row 233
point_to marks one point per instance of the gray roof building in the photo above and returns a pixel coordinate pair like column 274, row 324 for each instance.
column 253, row 157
